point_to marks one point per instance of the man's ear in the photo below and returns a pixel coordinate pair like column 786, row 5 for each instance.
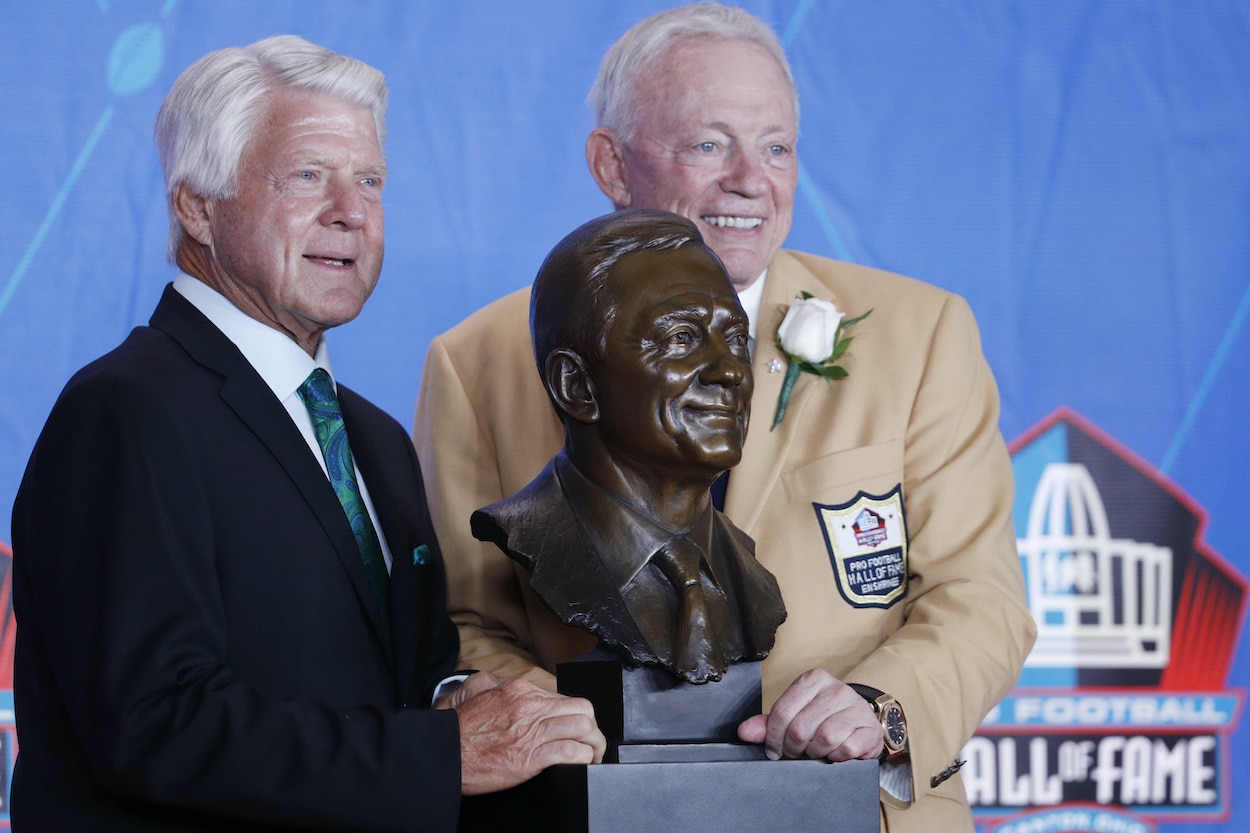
column 570, row 386
column 195, row 213
column 606, row 157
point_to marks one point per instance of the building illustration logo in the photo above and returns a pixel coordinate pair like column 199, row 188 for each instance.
column 1122, row 717
column 1098, row 601
column 869, row 528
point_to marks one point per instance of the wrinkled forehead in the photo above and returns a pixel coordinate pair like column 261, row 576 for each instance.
column 653, row 283
column 711, row 73
column 293, row 114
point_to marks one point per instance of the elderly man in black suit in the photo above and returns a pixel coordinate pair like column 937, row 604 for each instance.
column 230, row 617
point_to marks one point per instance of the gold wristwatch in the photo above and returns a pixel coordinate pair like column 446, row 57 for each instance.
column 893, row 721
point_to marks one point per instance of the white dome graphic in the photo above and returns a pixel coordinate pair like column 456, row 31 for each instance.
column 1098, row 602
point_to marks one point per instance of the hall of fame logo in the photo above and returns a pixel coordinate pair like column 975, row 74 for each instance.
column 1122, row 717
column 867, row 543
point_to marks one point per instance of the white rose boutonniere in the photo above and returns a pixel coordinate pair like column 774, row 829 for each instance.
column 810, row 335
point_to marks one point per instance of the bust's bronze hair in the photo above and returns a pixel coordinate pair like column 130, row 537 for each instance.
column 643, row 349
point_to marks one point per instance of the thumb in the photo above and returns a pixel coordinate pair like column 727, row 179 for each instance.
column 753, row 729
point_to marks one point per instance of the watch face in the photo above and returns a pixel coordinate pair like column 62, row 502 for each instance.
column 895, row 728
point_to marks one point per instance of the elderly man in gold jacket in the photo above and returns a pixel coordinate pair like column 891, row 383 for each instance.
column 881, row 501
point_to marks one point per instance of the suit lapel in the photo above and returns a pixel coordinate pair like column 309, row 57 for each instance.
column 765, row 452
column 410, row 579
column 568, row 573
column 253, row 402
column 376, row 469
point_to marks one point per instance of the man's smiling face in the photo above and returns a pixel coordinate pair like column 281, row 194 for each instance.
column 715, row 141
column 673, row 382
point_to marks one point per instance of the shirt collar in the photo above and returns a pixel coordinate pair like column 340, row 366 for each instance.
column 623, row 530
column 281, row 362
column 751, row 298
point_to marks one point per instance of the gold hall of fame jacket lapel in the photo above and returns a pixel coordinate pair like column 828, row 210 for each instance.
column 866, row 537
column 766, row 452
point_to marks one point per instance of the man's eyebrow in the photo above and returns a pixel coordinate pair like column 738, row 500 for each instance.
column 768, row 130
column 318, row 161
column 312, row 158
column 687, row 312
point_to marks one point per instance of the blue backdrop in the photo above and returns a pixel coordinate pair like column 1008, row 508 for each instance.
column 1080, row 171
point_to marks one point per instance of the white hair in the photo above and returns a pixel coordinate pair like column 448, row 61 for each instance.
column 215, row 108
column 614, row 94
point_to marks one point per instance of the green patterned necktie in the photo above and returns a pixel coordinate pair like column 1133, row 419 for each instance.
column 327, row 419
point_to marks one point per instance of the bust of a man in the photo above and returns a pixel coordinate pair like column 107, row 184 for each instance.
column 643, row 348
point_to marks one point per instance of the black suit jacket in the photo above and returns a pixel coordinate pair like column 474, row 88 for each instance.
column 196, row 644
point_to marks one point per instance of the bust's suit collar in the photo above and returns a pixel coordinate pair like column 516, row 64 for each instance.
column 536, row 528
column 623, row 533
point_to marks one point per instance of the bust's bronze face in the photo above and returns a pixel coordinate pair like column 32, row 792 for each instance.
column 673, row 381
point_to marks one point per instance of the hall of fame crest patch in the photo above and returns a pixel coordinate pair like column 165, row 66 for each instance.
column 867, row 542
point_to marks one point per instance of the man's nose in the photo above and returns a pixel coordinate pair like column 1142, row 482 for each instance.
column 723, row 366
column 347, row 207
column 745, row 173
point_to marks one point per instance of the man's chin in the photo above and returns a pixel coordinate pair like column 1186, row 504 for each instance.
column 718, row 453
column 339, row 306
column 743, row 263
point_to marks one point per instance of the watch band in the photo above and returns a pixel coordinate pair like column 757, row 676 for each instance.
column 894, row 723
column 868, row 693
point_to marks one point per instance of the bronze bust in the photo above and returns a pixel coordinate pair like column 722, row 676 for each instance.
column 643, row 348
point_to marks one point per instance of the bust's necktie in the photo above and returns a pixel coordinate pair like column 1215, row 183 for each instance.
column 697, row 653
column 327, row 419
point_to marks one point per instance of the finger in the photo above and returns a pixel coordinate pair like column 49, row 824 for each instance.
column 838, row 739
column 570, row 718
column 869, row 741
column 795, row 719
column 457, row 693
column 580, row 729
column 554, row 723
column 475, row 684
column 520, row 689
column 782, row 734
column 827, row 722
column 564, row 751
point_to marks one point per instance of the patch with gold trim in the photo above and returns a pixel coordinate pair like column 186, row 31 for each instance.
column 867, row 541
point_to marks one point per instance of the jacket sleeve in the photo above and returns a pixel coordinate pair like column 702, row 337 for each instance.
column 967, row 629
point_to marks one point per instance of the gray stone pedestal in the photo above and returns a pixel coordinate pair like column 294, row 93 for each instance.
column 674, row 764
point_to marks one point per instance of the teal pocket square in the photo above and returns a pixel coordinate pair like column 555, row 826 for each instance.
column 420, row 555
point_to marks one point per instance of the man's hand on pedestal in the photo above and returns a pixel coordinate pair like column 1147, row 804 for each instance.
column 510, row 730
column 818, row 716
